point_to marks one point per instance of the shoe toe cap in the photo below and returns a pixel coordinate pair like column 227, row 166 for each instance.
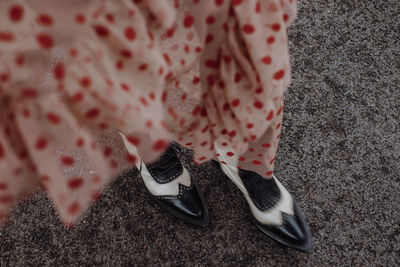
column 291, row 229
column 189, row 205
column 294, row 232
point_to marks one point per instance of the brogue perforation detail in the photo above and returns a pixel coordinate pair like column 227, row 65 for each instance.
column 166, row 179
column 182, row 189
column 166, row 168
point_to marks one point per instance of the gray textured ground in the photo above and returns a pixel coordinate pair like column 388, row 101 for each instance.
column 339, row 155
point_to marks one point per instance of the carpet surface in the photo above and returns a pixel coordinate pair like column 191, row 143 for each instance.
column 339, row 155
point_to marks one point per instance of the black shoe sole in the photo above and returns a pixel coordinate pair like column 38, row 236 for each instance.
column 200, row 223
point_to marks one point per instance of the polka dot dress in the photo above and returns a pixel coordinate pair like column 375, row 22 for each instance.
column 74, row 74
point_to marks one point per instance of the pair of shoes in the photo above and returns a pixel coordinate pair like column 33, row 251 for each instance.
column 272, row 208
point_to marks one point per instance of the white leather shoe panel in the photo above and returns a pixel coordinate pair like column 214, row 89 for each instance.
column 157, row 189
column 167, row 189
column 270, row 217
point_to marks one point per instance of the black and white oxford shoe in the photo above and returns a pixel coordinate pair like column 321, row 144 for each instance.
column 174, row 189
column 273, row 210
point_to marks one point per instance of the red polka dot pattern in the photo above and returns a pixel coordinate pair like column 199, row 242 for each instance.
column 102, row 31
column 130, row 33
column 45, row 20
column 206, row 72
column 16, row 13
column 45, row 40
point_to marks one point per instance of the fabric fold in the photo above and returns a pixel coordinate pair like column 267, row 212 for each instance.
column 75, row 74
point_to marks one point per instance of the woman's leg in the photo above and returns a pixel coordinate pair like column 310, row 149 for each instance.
column 273, row 209
column 260, row 157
